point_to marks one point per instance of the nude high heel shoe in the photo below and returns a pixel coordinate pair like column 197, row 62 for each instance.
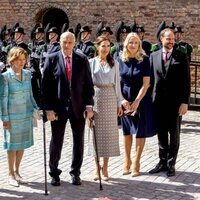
column 126, row 169
column 104, row 177
column 136, row 170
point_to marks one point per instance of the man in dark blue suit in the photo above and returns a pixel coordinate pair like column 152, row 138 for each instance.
column 67, row 91
column 171, row 92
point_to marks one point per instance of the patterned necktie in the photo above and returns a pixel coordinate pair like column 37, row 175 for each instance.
column 166, row 56
column 68, row 68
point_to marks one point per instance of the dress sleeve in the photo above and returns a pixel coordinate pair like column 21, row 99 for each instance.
column 4, row 98
column 117, row 85
column 146, row 66
column 35, row 106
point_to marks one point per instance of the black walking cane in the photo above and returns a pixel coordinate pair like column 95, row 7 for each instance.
column 92, row 125
column 45, row 161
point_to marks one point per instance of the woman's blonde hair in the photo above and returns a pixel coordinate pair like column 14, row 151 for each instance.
column 126, row 54
column 14, row 54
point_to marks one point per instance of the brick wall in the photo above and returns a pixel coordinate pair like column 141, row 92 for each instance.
column 146, row 12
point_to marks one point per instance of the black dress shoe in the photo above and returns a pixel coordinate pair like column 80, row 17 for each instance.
column 55, row 181
column 171, row 171
column 159, row 168
column 76, row 180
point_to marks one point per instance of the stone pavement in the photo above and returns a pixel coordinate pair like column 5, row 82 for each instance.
column 185, row 186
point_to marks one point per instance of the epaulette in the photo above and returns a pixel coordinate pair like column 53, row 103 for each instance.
column 182, row 49
column 30, row 45
column 189, row 48
column 94, row 48
column 155, row 47
column 7, row 48
column 113, row 49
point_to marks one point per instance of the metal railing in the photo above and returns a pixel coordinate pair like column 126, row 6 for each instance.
column 195, row 85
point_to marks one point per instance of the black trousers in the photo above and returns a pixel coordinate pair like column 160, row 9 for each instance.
column 56, row 144
column 168, row 131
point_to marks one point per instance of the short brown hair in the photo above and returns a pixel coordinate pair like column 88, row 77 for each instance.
column 14, row 54
column 162, row 33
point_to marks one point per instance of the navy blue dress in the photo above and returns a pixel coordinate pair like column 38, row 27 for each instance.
column 132, row 73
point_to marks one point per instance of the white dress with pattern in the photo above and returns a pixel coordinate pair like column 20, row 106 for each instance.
column 107, row 97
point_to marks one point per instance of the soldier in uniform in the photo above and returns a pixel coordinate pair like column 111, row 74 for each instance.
column 36, row 47
column 178, row 37
column 120, row 35
column 52, row 45
column 18, row 40
column 53, row 36
column 145, row 44
column 5, row 37
column 85, row 45
column 104, row 31
column 5, row 40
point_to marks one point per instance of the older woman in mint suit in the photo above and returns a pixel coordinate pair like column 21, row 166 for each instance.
column 17, row 106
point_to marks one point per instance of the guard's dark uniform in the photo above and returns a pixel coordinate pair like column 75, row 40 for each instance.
column 36, row 48
column 51, row 47
column 145, row 44
column 117, row 49
column 86, row 47
column 18, row 43
column 188, row 48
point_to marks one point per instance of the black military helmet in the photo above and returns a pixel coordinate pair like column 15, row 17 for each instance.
column 161, row 27
column 99, row 27
column 178, row 29
column 77, row 31
column 134, row 27
column 121, row 28
column 70, row 29
column 64, row 27
column 19, row 30
column 140, row 29
column 126, row 29
column 106, row 29
column 7, row 32
column 172, row 26
column 39, row 30
column 53, row 30
column 85, row 29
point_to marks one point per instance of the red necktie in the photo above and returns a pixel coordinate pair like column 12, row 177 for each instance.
column 166, row 56
column 68, row 68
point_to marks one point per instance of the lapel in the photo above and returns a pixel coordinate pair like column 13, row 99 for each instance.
column 159, row 63
column 15, row 77
column 74, row 65
column 170, row 63
column 61, row 63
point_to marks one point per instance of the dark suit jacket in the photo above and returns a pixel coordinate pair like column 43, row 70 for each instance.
column 58, row 93
column 174, row 86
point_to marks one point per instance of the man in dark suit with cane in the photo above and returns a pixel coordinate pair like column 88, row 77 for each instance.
column 67, row 91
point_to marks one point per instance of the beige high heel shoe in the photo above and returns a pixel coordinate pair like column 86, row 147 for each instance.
column 96, row 176
column 12, row 181
column 136, row 170
column 104, row 177
column 126, row 169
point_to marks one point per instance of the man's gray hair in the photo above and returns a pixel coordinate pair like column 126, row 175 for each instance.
column 66, row 35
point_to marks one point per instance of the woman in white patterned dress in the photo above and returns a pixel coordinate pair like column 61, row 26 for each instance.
column 105, row 75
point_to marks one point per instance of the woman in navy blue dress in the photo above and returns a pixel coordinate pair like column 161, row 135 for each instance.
column 138, row 118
